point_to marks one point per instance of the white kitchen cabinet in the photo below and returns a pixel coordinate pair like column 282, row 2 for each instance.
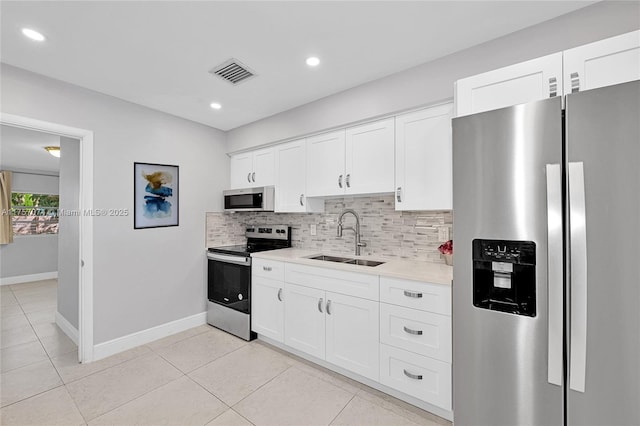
column 358, row 160
column 369, row 155
column 603, row 63
column 291, row 179
column 304, row 319
column 422, row 377
column 267, row 308
column 423, row 172
column 528, row 81
column 352, row 334
column 253, row 168
column 325, row 164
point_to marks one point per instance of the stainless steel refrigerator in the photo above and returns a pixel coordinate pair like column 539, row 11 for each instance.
column 546, row 292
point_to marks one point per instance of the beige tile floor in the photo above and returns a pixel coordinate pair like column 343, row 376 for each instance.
column 202, row 376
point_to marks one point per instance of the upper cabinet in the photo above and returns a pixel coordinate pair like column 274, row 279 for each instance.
column 291, row 178
column 358, row 160
column 603, row 63
column 369, row 154
column 325, row 164
column 516, row 84
column 423, row 159
column 254, row 168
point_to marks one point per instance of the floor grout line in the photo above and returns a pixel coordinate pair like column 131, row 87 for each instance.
column 341, row 410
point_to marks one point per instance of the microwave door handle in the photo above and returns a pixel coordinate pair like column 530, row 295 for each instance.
column 555, row 273
column 578, row 246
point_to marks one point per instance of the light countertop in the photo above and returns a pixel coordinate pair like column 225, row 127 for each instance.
column 395, row 268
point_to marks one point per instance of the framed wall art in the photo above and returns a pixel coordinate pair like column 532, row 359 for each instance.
column 156, row 194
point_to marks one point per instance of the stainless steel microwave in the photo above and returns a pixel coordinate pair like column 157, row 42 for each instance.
column 259, row 199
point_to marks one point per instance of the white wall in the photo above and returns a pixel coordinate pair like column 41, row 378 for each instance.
column 433, row 82
column 144, row 277
column 69, row 231
column 30, row 254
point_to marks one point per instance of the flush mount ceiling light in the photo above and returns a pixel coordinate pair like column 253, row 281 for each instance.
column 33, row 34
column 215, row 105
column 53, row 150
column 313, row 61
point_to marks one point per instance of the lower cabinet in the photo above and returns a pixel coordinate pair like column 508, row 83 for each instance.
column 340, row 329
column 422, row 377
column 392, row 331
column 267, row 307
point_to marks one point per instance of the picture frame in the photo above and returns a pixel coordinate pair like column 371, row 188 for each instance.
column 156, row 195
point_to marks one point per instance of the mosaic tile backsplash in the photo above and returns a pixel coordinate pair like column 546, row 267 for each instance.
column 387, row 232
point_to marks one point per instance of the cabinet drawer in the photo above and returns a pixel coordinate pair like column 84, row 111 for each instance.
column 337, row 281
column 417, row 295
column 419, row 376
column 268, row 269
column 421, row 332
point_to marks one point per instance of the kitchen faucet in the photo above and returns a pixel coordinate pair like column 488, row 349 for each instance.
column 356, row 230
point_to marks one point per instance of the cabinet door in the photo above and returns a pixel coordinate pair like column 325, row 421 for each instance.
column 516, row 84
column 291, row 179
column 304, row 322
column 369, row 158
column 263, row 167
column 423, row 159
column 353, row 334
column 325, row 164
column 241, row 167
column 603, row 63
column 267, row 307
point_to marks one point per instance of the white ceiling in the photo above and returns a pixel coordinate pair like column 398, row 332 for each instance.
column 158, row 54
column 22, row 150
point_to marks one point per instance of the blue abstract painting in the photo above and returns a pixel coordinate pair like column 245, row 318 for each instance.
column 156, row 195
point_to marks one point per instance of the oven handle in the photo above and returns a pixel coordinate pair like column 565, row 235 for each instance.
column 238, row 260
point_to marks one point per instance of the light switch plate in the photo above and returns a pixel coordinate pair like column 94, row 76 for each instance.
column 443, row 233
column 312, row 229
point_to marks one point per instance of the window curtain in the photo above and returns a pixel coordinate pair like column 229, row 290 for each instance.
column 6, row 229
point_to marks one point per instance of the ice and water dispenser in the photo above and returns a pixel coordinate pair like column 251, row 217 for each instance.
column 504, row 276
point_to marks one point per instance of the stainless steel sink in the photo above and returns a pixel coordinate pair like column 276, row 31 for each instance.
column 364, row 262
column 347, row 260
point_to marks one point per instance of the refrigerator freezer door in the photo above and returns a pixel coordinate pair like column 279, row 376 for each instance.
column 500, row 193
column 603, row 132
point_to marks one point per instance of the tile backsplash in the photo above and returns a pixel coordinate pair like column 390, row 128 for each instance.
column 387, row 232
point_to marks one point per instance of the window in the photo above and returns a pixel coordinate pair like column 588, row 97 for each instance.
column 34, row 214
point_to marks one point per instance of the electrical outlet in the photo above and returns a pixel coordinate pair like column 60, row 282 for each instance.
column 312, row 229
column 443, row 233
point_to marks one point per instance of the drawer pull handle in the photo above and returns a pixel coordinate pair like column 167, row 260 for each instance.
column 329, row 307
column 320, row 305
column 267, row 268
column 413, row 376
column 280, row 294
column 414, row 332
column 412, row 294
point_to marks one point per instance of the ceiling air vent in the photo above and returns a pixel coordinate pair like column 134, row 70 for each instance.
column 233, row 71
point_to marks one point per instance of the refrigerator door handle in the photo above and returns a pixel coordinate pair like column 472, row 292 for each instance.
column 578, row 241
column 555, row 274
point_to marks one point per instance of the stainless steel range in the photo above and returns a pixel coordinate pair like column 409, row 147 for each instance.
column 229, row 278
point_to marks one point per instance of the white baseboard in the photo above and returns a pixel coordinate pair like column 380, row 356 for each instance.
column 18, row 279
column 67, row 327
column 112, row 347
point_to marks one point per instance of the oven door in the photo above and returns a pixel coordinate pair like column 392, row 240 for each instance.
column 229, row 281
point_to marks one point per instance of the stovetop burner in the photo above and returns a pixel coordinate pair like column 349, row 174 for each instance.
column 259, row 238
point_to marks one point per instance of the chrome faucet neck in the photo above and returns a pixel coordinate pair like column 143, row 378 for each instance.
column 356, row 230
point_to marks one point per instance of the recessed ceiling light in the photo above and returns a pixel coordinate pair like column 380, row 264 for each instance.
column 313, row 61
column 215, row 105
column 33, row 34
